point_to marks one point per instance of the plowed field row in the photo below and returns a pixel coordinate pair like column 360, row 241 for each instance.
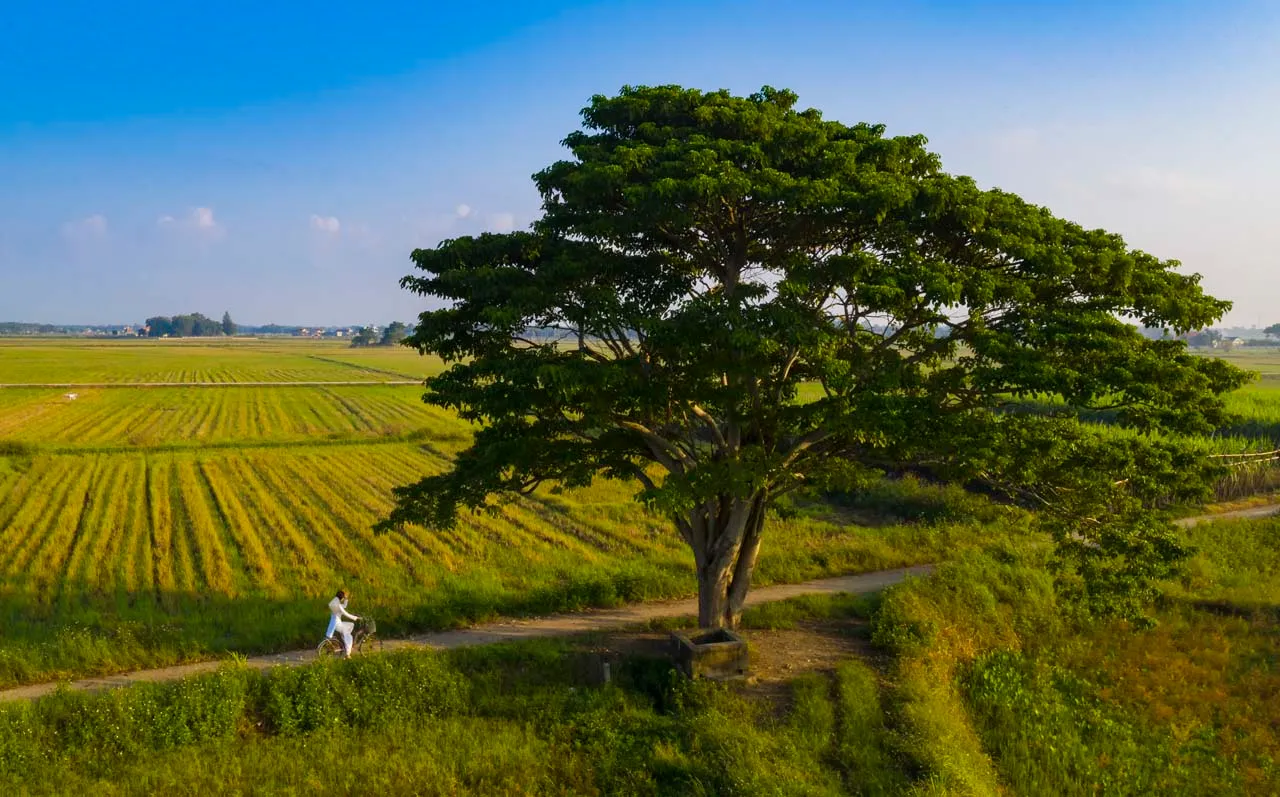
column 176, row 415
column 134, row 558
column 270, row 524
column 205, row 362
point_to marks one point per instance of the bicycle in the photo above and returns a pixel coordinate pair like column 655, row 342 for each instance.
column 363, row 640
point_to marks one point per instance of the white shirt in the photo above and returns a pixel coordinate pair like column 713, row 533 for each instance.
column 337, row 611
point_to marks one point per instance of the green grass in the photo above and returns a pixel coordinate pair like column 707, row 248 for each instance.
column 516, row 719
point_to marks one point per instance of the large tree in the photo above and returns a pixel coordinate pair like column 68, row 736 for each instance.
column 702, row 256
column 1272, row 331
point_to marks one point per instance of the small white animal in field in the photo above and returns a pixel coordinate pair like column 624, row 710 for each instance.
column 72, row 396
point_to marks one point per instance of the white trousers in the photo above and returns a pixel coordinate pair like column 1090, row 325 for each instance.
column 344, row 629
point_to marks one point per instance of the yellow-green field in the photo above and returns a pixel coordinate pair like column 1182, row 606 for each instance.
column 142, row 526
column 200, row 361
column 191, row 416
column 148, row 525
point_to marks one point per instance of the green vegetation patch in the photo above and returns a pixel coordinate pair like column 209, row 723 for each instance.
column 999, row 683
column 463, row 720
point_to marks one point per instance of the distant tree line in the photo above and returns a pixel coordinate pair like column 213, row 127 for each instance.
column 191, row 325
column 391, row 335
column 20, row 328
column 11, row 328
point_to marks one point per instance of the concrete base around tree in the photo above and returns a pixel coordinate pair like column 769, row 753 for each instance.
column 715, row 653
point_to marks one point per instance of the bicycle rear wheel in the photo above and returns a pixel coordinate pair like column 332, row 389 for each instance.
column 328, row 647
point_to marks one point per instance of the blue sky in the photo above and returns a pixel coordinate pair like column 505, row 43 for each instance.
column 281, row 160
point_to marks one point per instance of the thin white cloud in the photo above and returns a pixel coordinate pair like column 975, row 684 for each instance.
column 325, row 224
column 198, row 219
column 203, row 218
column 462, row 211
column 502, row 222
column 94, row 226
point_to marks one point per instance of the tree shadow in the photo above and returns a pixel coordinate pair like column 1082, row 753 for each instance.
column 1268, row 613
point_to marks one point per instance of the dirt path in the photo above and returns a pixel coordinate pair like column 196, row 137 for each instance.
column 554, row 625
column 506, row 631
column 89, row 385
column 1266, row 510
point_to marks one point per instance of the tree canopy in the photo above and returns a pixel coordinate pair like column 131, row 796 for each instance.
column 395, row 332
column 1272, row 331
column 365, row 336
column 701, row 256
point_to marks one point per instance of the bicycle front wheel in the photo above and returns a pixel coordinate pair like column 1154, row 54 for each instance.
column 369, row 644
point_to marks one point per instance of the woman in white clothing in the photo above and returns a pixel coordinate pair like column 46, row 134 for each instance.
column 337, row 611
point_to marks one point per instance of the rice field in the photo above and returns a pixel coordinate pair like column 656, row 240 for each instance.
column 204, row 361
column 274, row 525
column 186, row 417
column 142, row 526
column 127, row 559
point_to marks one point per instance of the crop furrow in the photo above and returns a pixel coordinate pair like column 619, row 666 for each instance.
column 160, row 514
column 94, row 532
column 46, row 564
column 24, row 530
column 242, row 528
column 301, row 558
column 215, row 568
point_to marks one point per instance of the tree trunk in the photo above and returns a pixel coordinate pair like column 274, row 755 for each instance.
column 745, row 566
column 727, row 544
column 712, row 596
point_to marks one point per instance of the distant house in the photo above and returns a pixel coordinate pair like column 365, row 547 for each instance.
column 1231, row 343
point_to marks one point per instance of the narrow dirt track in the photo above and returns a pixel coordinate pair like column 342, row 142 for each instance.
column 552, row 626
column 1266, row 510
column 505, row 631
